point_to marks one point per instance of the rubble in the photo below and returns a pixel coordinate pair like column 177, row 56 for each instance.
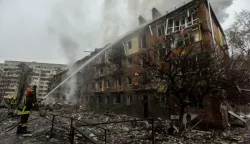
column 128, row 131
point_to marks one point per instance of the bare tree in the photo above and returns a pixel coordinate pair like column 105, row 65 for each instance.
column 190, row 72
column 238, row 34
column 24, row 78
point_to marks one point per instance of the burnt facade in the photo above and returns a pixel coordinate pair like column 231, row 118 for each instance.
column 112, row 81
column 116, row 85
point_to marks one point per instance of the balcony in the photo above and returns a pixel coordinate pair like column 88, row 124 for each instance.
column 116, row 71
column 99, row 76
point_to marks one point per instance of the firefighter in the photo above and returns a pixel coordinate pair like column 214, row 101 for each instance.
column 28, row 104
column 13, row 103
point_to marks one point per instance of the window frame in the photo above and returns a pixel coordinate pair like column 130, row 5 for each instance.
column 129, row 81
column 129, row 44
column 129, row 64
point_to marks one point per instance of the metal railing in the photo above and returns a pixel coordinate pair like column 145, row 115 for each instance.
column 74, row 129
column 127, row 121
column 104, row 139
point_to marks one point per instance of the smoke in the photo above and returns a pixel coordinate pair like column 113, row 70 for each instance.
column 74, row 25
column 83, row 25
column 121, row 16
column 220, row 7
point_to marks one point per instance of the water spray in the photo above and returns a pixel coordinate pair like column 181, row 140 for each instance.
column 99, row 53
column 95, row 56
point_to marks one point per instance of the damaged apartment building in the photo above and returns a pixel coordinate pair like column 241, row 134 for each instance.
column 112, row 82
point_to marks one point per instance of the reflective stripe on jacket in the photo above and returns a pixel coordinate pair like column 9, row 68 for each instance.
column 25, row 110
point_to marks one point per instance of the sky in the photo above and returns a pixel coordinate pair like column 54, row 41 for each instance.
column 59, row 31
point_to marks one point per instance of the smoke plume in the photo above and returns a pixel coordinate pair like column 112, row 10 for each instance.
column 121, row 16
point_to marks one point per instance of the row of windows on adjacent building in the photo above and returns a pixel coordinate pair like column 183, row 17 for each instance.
column 116, row 82
column 117, row 99
column 114, row 99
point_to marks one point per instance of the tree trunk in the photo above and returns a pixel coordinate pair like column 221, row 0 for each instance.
column 182, row 112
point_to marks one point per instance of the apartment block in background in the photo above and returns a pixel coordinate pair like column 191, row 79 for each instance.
column 40, row 75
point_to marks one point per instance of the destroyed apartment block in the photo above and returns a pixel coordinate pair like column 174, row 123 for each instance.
column 113, row 81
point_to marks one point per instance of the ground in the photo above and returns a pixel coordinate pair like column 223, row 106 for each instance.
column 119, row 132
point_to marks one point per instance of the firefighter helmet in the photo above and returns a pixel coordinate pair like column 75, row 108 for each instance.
column 28, row 92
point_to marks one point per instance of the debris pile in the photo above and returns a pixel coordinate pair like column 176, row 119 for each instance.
column 119, row 129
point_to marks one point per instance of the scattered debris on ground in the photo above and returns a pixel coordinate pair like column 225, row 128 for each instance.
column 129, row 131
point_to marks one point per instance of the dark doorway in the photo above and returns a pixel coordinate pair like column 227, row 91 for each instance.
column 145, row 106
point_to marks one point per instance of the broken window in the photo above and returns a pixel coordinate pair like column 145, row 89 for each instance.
column 129, row 99
column 99, row 99
column 160, row 30
column 118, row 82
column 183, row 22
column 100, row 85
column 106, row 99
column 107, row 84
column 129, row 61
column 93, row 85
column 169, row 26
column 129, row 80
column 143, row 42
column 117, row 99
column 101, row 71
column 162, row 52
column 176, row 25
column 129, row 45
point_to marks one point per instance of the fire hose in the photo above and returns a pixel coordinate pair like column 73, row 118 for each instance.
column 11, row 127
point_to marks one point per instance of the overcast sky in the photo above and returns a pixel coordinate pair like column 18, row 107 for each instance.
column 29, row 29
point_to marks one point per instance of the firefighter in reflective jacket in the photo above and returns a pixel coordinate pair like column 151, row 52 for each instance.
column 28, row 104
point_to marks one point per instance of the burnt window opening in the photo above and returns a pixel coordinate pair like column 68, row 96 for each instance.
column 160, row 30
column 117, row 99
column 101, row 71
column 129, row 45
column 118, row 82
column 143, row 42
column 129, row 99
column 93, row 85
column 129, row 61
column 129, row 80
column 107, row 84
column 170, row 26
column 99, row 99
column 177, row 25
column 183, row 22
column 100, row 85
column 106, row 99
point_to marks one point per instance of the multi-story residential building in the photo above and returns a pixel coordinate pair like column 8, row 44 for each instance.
column 111, row 82
column 84, row 76
column 10, row 79
column 116, row 84
column 59, row 95
column 40, row 76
